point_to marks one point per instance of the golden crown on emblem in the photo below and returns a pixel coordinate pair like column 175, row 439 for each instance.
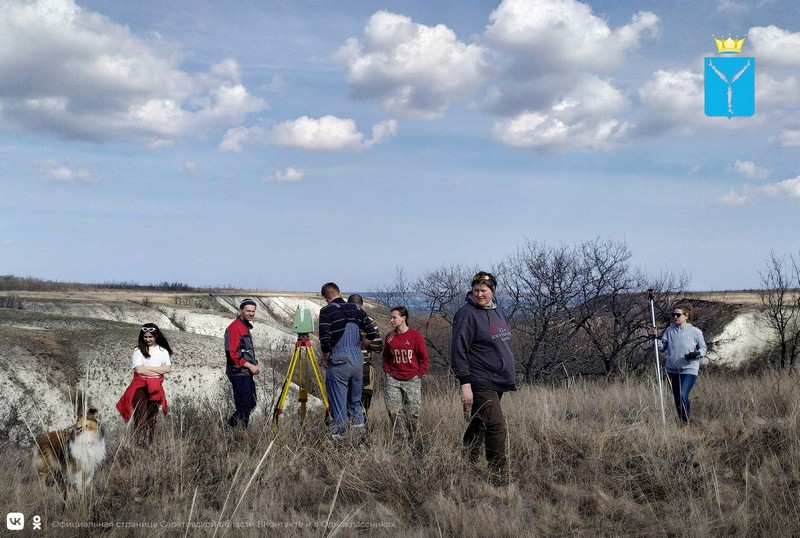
column 729, row 44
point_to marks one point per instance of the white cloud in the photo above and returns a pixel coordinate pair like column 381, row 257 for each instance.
column 290, row 174
column 7, row 242
column 788, row 187
column 771, row 91
column 751, row 170
column 190, row 167
column 236, row 138
column 582, row 119
column 416, row 70
column 732, row 199
column 562, row 35
column 731, row 6
column 75, row 74
column 775, row 47
column 381, row 132
column 548, row 91
column 62, row 173
column 672, row 100
column 789, row 138
column 327, row 133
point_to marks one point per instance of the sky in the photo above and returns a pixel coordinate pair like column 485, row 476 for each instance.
column 280, row 145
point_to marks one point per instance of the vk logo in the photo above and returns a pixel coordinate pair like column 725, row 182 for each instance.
column 15, row 521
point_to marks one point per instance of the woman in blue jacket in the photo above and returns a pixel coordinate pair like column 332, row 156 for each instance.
column 684, row 345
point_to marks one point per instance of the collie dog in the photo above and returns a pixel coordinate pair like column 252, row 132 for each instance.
column 71, row 456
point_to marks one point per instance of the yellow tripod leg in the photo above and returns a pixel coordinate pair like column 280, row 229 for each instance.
column 286, row 384
column 312, row 358
column 303, row 398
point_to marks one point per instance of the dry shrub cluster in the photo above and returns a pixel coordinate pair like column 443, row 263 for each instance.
column 587, row 459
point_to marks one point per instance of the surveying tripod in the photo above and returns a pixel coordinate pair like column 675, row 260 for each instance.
column 304, row 359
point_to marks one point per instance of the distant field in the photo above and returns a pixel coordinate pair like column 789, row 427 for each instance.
column 744, row 297
column 741, row 297
column 164, row 297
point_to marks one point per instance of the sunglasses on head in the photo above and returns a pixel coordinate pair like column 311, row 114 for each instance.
column 483, row 277
column 148, row 329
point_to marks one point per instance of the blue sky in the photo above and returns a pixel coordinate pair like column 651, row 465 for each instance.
column 279, row 145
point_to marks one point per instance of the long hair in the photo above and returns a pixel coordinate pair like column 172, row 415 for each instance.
column 161, row 340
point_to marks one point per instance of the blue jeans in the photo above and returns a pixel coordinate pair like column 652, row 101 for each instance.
column 344, row 381
column 681, row 386
column 244, row 398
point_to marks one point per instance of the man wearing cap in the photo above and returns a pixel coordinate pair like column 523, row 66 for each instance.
column 241, row 364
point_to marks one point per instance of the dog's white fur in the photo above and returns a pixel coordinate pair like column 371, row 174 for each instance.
column 72, row 455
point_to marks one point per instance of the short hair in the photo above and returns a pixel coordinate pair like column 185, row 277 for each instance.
column 402, row 310
column 356, row 299
column 329, row 287
column 687, row 310
column 482, row 277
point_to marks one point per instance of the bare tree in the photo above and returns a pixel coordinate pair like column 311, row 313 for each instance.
column 610, row 311
column 580, row 309
column 779, row 295
column 442, row 292
column 399, row 293
column 432, row 300
column 542, row 284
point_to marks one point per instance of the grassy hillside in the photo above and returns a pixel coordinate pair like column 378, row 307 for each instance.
column 587, row 459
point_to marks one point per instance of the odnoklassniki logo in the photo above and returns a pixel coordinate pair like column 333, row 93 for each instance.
column 730, row 80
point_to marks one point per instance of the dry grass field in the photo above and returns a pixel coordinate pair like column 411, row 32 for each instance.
column 587, row 459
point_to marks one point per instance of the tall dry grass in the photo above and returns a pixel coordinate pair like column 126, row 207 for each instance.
column 586, row 458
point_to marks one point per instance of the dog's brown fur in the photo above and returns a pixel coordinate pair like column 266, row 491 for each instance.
column 71, row 455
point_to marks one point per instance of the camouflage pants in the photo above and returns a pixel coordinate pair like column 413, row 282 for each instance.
column 403, row 400
column 369, row 387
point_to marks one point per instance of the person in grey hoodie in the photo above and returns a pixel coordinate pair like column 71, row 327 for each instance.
column 684, row 344
column 482, row 360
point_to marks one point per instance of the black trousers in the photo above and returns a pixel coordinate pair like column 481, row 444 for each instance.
column 487, row 426
column 244, row 398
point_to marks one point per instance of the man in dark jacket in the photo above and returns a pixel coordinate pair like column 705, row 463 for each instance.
column 241, row 364
column 340, row 328
column 483, row 362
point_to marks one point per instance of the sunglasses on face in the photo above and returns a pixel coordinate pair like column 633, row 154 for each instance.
column 148, row 329
column 677, row 314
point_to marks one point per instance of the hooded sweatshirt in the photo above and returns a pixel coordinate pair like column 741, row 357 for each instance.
column 481, row 353
column 677, row 342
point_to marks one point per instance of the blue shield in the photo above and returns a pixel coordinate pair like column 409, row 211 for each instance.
column 730, row 86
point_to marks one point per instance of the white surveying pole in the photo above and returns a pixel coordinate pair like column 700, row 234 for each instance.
column 658, row 362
